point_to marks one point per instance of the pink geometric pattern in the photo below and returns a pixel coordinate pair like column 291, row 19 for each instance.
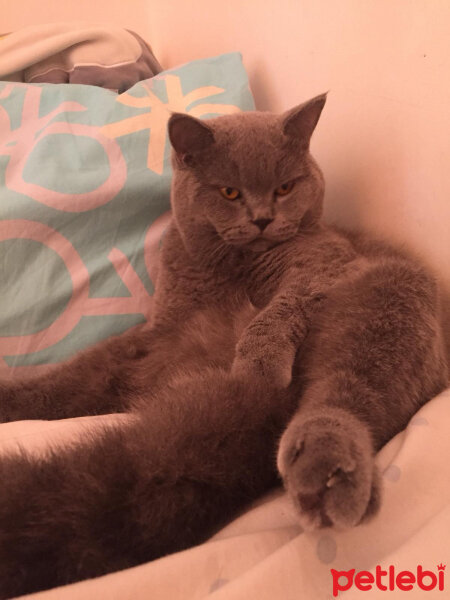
column 107, row 237
column 19, row 144
column 80, row 303
column 159, row 113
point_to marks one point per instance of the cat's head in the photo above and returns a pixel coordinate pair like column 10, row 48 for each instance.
column 249, row 176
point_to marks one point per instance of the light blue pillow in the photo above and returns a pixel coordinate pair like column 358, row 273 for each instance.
column 84, row 195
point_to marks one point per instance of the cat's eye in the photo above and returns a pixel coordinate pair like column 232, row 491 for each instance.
column 230, row 193
column 284, row 189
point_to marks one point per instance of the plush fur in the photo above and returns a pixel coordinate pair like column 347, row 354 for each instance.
column 267, row 324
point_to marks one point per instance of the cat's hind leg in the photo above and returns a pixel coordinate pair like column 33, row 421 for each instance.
column 181, row 467
column 102, row 379
column 375, row 355
column 113, row 375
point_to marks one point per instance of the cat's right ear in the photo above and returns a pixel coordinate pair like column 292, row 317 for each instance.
column 188, row 136
column 300, row 122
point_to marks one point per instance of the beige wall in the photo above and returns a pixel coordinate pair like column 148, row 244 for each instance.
column 384, row 139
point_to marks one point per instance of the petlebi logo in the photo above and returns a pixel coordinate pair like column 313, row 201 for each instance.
column 389, row 580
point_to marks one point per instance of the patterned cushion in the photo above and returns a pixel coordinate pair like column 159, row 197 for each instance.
column 84, row 199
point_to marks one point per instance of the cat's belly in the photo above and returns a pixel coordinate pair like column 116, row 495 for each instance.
column 210, row 335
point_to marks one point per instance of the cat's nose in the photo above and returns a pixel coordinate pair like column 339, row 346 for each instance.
column 262, row 223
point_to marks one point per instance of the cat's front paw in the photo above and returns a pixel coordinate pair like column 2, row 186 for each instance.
column 327, row 465
column 264, row 359
column 277, row 374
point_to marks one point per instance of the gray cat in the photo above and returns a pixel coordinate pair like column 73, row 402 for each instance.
column 267, row 324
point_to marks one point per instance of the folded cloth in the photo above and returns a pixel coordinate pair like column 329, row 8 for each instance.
column 77, row 52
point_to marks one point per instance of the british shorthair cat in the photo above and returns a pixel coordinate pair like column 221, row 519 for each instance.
column 279, row 347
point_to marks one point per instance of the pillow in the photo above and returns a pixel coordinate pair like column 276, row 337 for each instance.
column 84, row 199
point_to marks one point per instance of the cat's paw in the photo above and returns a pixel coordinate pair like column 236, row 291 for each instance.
column 264, row 359
column 327, row 465
column 277, row 374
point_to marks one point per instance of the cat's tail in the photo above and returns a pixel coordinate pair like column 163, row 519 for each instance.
column 167, row 480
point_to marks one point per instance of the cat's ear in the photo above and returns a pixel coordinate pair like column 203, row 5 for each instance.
column 189, row 135
column 300, row 122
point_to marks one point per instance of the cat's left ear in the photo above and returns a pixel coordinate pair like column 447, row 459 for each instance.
column 300, row 122
column 189, row 135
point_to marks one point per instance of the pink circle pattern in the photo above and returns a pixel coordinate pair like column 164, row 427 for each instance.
column 18, row 144
column 80, row 303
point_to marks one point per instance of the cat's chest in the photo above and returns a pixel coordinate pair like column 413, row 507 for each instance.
column 189, row 285
column 264, row 274
column 301, row 258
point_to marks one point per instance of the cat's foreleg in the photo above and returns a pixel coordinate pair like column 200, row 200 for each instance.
column 269, row 344
column 99, row 380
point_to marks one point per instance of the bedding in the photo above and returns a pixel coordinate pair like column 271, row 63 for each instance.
column 85, row 53
column 84, row 200
column 264, row 554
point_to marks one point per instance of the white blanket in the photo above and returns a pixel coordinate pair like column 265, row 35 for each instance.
column 265, row 555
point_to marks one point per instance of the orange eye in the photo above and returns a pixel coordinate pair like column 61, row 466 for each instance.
column 284, row 189
column 230, row 193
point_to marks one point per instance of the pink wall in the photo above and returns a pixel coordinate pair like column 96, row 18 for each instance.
column 131, row 14
column 384, row 139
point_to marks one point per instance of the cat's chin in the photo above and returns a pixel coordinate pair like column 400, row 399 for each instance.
column 261, row 245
